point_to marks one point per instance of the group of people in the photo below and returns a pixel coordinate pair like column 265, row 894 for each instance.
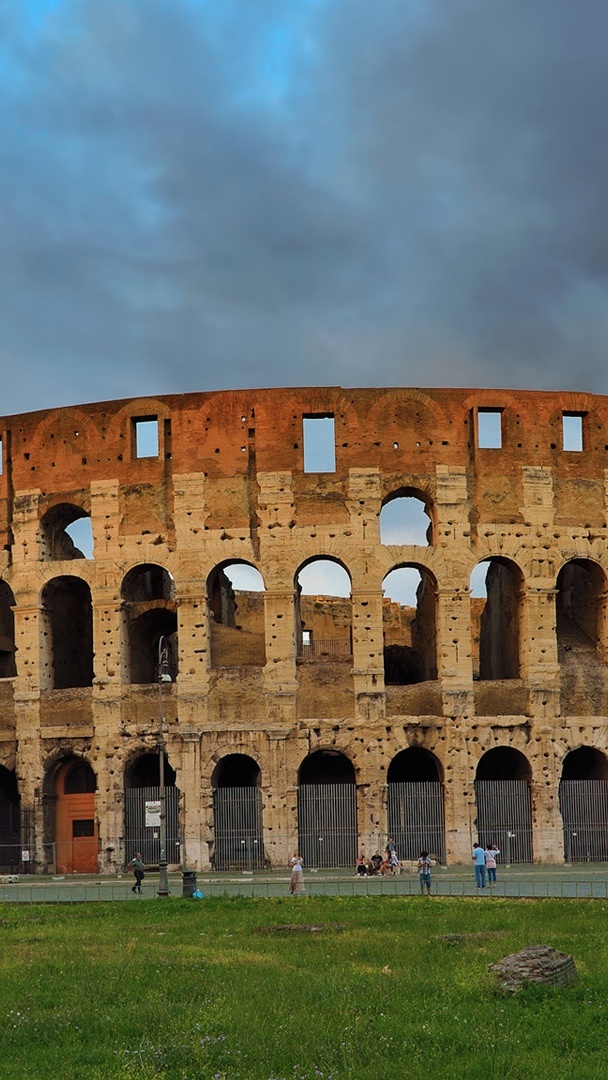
column 485, row 859
column 378, row 864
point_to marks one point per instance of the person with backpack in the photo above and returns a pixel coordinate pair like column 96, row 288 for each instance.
column 424, row 869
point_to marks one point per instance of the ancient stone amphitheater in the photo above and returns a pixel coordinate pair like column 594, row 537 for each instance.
column 328, row 721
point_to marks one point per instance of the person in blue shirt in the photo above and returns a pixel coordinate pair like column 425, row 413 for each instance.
column 479, row 861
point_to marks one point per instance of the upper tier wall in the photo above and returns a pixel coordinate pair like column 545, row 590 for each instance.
column 234, row 435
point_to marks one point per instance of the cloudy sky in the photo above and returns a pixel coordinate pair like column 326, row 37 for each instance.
column 204, row 194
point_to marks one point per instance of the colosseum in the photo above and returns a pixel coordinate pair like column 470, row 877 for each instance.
column 205, row 582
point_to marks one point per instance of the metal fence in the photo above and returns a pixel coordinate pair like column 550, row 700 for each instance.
column 416, row 819
column 504, row 817
column 584, row 809
column 238, row 830
column 324, row 650
column 145, row 838
column 327, row 824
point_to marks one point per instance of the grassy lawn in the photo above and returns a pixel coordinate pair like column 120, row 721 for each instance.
column 208, row 991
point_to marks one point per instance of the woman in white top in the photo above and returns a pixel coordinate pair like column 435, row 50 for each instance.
column 296, row 885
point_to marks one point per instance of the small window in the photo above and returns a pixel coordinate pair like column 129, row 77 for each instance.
column 489, row 429
column 146, row 437
column 84, row 827
column 319, row 444
column 306, row 637
column 572, row 431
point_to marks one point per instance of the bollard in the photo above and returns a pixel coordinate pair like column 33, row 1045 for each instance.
column 188, row 883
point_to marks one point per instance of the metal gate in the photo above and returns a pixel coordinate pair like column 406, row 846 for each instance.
column 238, row 829
column 504, row 818
column 327, row 824
column 16, row 836
column 415, row 818
column 584, row 809
column 139, row 837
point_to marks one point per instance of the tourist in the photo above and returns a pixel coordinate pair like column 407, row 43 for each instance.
column 361, row 866
column 479, row 861
column 296, row 885
column 390, row 847
column 375, row 862
column 137, row 867
column 491, row 854
column 424, row 869
column 394, row 863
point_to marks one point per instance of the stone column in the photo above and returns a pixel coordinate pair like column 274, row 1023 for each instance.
column 538, row 647
column 547, row 836
column 195, row 854
column 368, row 654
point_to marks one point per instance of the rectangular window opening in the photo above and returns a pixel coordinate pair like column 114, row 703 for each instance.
column 84, row 827
column 146, row 437
column 572, row 431
column 489, row 429
column 306, row 637
column 319, row 444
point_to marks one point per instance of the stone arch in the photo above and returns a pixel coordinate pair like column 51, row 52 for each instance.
column 149, row 621
column 142, row 796
column 70, row 823
column 54, row 539
column 238, row 830
column 503, row 799
column 236, row 614
column 323, row 610
column 67, row 633
column 327, row 809
column 409, row 629
column 415, row 804
column 496, row 623
column 409, row 420
column 11, row 840
column 8, row 667
column 581, row 609
column 407, row 517
column 583, row 804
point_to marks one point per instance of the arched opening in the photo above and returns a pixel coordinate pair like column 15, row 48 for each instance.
column 583, row 803
column 76, row 840
column 323, row 610
column 415, row 813
column 65, row 533
column 150, row 623
column 237, row 814
column 580, row 609
column 496, row 585
column 142, row 809
column 11, row 838
column 327, row 810
column 504, row 809
column 67, row 633
column 235, row 592
column 406, row 518
column 409, row 620
column 8, row 668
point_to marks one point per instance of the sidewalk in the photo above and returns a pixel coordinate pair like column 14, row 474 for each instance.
column 583, row 880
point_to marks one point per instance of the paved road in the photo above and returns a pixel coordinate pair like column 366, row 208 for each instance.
column 582, row 881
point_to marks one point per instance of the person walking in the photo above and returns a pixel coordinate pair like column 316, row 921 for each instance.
column 137, row 867
column 479, row 862
column 296, row 885
column 424, row 869
column 491, row 854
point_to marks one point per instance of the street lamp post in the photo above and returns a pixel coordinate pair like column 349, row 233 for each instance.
column 163, row 676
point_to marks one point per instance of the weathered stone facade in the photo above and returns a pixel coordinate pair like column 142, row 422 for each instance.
column 227, row 484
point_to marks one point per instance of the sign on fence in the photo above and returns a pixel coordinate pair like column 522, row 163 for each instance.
column 153, row 814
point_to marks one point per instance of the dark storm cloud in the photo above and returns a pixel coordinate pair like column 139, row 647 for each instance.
column 203, row 195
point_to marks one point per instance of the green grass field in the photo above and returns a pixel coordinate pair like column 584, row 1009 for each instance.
column 208, row 990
